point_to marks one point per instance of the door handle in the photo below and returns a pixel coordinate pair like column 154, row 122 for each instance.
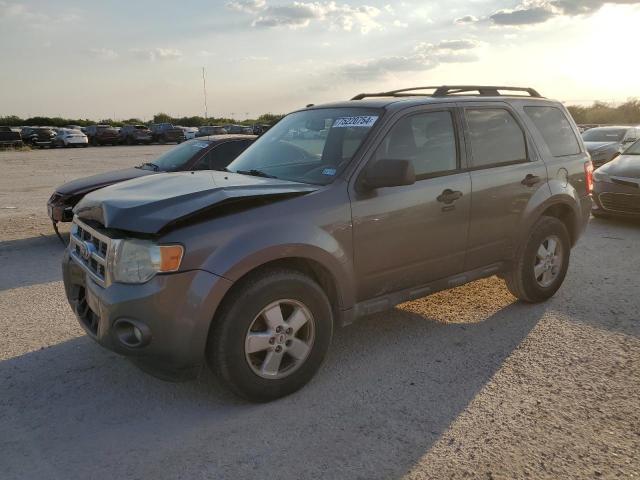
column 449, row 196
column 530, row 180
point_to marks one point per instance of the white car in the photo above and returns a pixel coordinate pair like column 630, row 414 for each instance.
column 70, row 138
column 189, row 132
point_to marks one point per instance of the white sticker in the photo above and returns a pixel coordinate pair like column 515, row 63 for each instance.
column 348, row 122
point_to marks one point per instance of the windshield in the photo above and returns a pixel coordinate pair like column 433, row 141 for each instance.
column 634, row 149
column 604, row 135
column 310, row 146
column 177, row 157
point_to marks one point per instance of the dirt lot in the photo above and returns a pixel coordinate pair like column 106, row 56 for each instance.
column 463, row 384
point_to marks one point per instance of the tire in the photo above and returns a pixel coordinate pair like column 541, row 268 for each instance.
column 227, row 346
column 522, row 281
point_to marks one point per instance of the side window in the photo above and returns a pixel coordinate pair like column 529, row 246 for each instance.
column 555, row 129
column 427, row 139
column 222, row 155
column 496, row 138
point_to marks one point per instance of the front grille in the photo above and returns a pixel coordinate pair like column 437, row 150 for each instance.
column 620, row 202
column 92, row 250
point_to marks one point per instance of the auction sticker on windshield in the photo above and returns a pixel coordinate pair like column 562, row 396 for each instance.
column 348, row 122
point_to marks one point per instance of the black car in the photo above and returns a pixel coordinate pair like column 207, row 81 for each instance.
column 135, row 134
column 211, row 130
column 166, row 133
column 206, row 153
column 617, row 186
column 38, row 136
column 232, row 128
column 10, row 138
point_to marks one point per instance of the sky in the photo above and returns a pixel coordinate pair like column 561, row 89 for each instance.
column 121, row 59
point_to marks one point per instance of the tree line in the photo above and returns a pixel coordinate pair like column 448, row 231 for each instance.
column 627, row 113
column 196, row 121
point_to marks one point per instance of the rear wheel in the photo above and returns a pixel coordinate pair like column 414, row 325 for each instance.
column 271, row 335
column 542, row 262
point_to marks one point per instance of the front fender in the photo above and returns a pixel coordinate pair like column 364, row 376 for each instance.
column 255, row 248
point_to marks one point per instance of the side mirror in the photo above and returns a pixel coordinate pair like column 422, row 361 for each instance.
column 388, row 173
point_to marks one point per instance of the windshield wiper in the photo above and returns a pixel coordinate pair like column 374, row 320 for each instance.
column 256, row 173
column 152, row 165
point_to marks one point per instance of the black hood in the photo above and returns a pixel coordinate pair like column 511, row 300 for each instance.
column 89, row 184
column 624, row 166
column 148, row 204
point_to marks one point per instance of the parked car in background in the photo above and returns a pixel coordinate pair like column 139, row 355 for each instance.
column 211, row 130
column 247, row 130
column 75, row 127
column 102, row 135
column 135, row 134
column 606, row 143
column 38, row 136
column 70, row 138
column 251, row 269
column 616, row 191
column 189, row 132
column 10, row 138
column 260, row 128
column 235, row 129
column 206, row 153
column 166, row 133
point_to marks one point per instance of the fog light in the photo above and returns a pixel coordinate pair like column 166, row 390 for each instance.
column 131, row 334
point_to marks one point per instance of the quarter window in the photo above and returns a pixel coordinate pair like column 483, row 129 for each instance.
column 496, row 138
column 427, row 139
column 555, row 129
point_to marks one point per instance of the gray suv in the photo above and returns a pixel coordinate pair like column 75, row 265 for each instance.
column 337, row 212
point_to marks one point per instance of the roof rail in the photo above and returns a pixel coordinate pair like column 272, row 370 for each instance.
column 446, row 90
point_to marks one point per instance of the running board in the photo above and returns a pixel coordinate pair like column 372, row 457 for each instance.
column 386, row 302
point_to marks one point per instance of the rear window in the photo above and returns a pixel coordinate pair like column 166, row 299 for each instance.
column 555, row 129
column 496, row 138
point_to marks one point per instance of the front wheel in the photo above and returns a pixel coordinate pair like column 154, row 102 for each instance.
column 542, row 262
column 271, row 335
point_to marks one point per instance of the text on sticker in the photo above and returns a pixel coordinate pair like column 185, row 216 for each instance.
column 347, row 122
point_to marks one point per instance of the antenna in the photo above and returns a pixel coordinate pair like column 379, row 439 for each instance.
column 204, row 89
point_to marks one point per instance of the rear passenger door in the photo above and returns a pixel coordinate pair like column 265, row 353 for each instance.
column 506, row 172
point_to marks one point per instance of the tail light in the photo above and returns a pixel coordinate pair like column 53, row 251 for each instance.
column 588, row 176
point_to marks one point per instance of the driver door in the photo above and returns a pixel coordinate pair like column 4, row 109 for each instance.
column 408, row 236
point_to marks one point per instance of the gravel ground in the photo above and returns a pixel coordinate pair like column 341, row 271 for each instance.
column 467, row 383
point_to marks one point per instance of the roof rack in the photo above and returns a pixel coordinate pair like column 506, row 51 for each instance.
column 446, row 90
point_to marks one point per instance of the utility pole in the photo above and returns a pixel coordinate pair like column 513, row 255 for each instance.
column 204, row 89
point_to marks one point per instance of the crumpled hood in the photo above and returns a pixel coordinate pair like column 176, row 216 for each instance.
column 623, row 166
column 147, row 204
column 88, row 184
column 601, row 146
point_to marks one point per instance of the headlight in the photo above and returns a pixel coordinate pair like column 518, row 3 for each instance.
column 599, row 176
column 138, row 261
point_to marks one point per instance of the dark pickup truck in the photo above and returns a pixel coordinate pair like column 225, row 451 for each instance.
column 9, row 138
column 166, row 133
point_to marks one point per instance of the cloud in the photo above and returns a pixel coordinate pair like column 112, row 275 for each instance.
column 247, row 6
column 19, row 12
column 532, row 12
column 425, row 56
column 466, row 19
column 154, row 54
column 102, row 53
column 301, row 14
